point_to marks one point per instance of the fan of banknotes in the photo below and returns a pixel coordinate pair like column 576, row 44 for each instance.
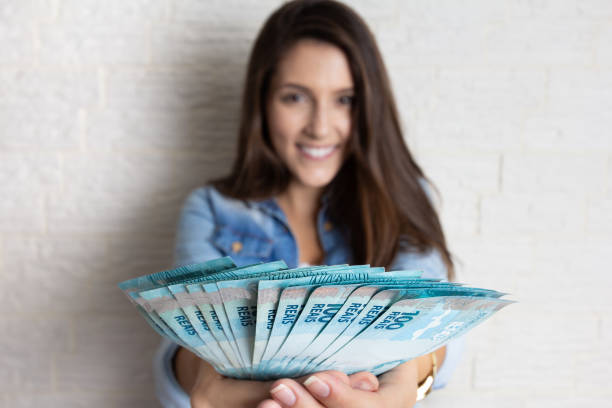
column 266, row 321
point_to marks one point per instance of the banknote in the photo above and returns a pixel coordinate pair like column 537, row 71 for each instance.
column 408, row 329
column 322, row 305
column 269, row 292
column 171, row 276
column 163, row 309
column 188, row 304
column 204, row 304
column 292, row 302
column 266, row 321
column 239, row 299
column 271, row 333
column 351, row 327
column 164, row 305
column 351, row 308
column 212, row 309
column 343, row 329
column 238, row 306
column 132, row 287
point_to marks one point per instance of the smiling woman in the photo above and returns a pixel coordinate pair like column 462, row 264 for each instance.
column 322, row 176
column 309, row 111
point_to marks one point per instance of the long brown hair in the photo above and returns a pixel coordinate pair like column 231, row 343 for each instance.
column 377, row 196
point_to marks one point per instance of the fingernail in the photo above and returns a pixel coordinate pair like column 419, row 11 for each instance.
column 365, row 386
column 284, row 394
column 316, row 386
column 269, row 404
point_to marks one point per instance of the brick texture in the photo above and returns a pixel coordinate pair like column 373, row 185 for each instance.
column 113, row 111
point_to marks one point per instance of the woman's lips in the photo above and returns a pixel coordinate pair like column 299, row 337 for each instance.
column 318, row 152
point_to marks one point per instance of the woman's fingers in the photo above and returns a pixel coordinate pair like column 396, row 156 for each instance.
column 334, row 389
column 269, row 404
column 397, row 389
column 290, row 394
column 364, row 380
column 338, row 374
column 333, row 393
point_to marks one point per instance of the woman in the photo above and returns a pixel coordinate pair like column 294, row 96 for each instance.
column 322, row 176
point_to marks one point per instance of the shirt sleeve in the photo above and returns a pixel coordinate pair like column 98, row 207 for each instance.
column 196, row 226
column 433, row 267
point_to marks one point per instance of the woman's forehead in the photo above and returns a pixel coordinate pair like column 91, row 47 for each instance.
column 315, row 65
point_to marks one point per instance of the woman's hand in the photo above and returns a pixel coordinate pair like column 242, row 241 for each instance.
column 212, row 390
column 397, row 388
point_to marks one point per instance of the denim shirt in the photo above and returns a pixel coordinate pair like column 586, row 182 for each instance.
column 212, row 225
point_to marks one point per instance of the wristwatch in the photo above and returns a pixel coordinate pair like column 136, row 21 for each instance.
column 424, row 388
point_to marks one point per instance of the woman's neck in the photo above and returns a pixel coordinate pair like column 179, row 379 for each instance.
column 301, row 205
column 300, row 200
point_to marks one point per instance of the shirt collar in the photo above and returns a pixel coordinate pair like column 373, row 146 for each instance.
column 271, row 207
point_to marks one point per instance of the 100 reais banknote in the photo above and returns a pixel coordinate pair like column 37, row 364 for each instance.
column 266, row 321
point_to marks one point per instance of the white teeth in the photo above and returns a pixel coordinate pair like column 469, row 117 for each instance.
column 317, row 151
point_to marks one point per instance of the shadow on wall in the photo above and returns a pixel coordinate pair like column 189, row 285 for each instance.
column 162, row 132
column 197, row 101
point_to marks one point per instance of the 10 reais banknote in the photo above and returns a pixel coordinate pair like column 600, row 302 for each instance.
column 266, row 321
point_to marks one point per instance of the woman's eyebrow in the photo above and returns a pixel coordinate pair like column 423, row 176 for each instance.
column 305, row 89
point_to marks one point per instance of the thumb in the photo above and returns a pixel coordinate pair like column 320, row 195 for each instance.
column 334, row 393
column 338, row 374
column 364, row 380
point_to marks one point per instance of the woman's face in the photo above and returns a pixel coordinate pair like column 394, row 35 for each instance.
column 309, row 111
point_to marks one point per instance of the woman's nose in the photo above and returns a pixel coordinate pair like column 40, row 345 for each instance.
column 319, row 124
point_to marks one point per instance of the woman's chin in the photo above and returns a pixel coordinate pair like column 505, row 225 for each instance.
column 315, row 182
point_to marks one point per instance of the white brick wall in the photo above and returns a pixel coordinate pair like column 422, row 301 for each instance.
column 113, row 110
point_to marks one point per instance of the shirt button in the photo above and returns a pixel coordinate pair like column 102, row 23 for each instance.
column 328, row 226
column 236, row 246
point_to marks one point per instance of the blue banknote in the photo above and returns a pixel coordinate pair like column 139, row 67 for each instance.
column 266, row 321
column 410, row 328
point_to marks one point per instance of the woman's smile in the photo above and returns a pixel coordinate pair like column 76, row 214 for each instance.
column 317, row 152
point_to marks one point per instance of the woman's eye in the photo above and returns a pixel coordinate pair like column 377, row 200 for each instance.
column 347, row 100
column 291, row 98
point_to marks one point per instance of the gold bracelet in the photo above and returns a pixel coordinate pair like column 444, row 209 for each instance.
column 424, row 388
